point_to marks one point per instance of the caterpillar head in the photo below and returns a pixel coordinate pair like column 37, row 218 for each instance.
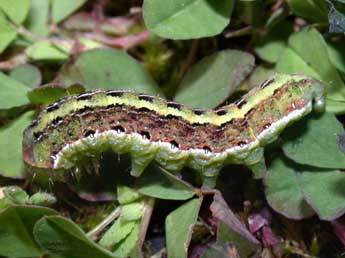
column 318, row 96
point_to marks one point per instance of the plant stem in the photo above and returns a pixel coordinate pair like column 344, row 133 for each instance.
column 239, row 33
column 145, row 221
column 28, row 34
column 109, row 219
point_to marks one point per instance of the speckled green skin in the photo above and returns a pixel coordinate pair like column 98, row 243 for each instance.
column 173, row 134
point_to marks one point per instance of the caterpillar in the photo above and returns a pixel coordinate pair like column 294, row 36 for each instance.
column 174, row 135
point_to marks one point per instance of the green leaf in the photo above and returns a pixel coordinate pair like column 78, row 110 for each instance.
column 186, row 19
column 314, row 10
column 283, row 192
column 12, row 92
column 179, row 231
column 61, row 9
column 37, row 20
column 7, row 34
column 324, row 191
column 50, row 93
column 316, row 141
column 126, row 195
column 61, row 237
column 11, row 162
column 117, row 232
column 122, row 237
column 16, row 227
column 108, row 69
column 46, row 94
column 297, row 191
column 336, row 52
column 160, row 184
column 337, row 107
column 307, row 52
column 271, row 46
column 214, row 78
column 45, row 50
column 27, row 74
column 16, row 10
column 132, row 211
column 125, row 247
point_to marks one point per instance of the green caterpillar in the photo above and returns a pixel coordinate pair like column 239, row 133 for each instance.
column 150, row 128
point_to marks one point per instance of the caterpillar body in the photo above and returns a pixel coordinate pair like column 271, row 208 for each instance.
column 151, row 128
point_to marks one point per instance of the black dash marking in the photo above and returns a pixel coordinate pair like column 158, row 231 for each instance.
column 190, row 128
column 110, row 106
column 84, row 96
column 170, row 116
column 145, row 135
column 52, row 107
column 240, row 103
column 219, row 132
column 53, row 155
column 265, row 83
column 241, row 143
column 249, row 112
column 34, row 123
column 174, row 105
column 266, row 126
column 147, row 98
column 221, row 112
column 199, row 111
column 144, row 109
column 114, row 93
column 231, row 122
column 83, row 110
column 89, row 133
column 56, row 121
column 174, row 144
column 207, row 149
column 118, row 129
column 244, row 123
column 38, row 136
column 133, row 113
column 276, row 91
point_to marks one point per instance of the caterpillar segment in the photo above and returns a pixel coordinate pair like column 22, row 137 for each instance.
column 172, row 134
